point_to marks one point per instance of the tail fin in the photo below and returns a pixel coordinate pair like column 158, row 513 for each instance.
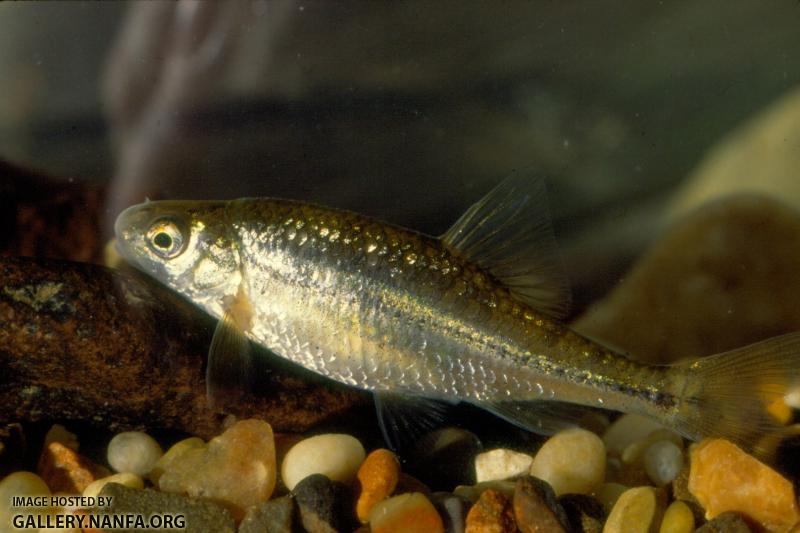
column 741, row 395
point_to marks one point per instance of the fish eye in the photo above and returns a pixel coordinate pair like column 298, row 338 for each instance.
column 165, row 238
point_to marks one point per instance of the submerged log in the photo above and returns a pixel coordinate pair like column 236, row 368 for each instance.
column 83, row 342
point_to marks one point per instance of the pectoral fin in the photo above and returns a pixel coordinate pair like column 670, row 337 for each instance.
column 229, row 366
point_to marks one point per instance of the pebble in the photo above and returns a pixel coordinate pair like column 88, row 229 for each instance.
column 133, row 451
column 236, row 468
column 200, row 514
column 407, row 513
column 377, row 476
column 501, row 464
column 125, row 478
column 325, row 505
column 634, row 452
column 473, row 492
column 728, row 522
column 445, row 458
column 173, row 453
column 573, row 460
column 678, row 518
column 626, row 430
column 452, row 509
column 595, row 421
column 663, row 462
column 608, row 494
column 536, row 509
column 638, row 510
column 585, row 513
column 724, row 478
column 58, row 433
column 492, row 513
column 65, row 470
column 18, row 484
column 274, row 516
column 408, row 483
column 631, row 475
column 337, row 456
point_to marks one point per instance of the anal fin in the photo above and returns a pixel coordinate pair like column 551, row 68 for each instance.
column 544, row 417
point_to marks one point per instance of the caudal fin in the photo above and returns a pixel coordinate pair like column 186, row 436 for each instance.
column 741, row 395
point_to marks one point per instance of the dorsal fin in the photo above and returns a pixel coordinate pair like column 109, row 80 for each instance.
column 508, row 233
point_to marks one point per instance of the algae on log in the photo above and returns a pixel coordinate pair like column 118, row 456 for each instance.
column 83, row 342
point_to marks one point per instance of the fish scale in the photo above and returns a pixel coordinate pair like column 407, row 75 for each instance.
column 467, row 317
column 452, row 309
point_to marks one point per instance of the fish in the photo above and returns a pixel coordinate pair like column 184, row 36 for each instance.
column 424, row 322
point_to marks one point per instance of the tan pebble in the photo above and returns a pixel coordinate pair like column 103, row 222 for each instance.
column 175, row 451
column 124, row 478
column 65, row 470
column 236, row 468
column 595, row 422
column 634, row 452
column 626, row 430
column 608, row 494
column 492, row 513
column 377, row 476
column 724, row 478
column 571, row 461
column 18, row 484
column 407, row 513
column 501, row 464
column 334, row 455
column 678, row 518
column 638, row 510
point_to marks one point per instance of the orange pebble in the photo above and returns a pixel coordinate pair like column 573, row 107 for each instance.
column 724, row 478
column 493, row 512
column 378, row 477
column 409, row 513
column 65, row 470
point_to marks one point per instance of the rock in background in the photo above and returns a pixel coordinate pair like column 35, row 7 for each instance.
column 723, row 277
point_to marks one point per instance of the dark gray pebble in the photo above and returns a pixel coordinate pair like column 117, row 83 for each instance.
column 200, row 515
column 445, row 458
column 453, row 510
column 325, row 506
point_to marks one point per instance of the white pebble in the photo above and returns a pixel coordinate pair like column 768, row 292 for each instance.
column 133, row 451
column 335, row 455
column 663, row 462
column 125, row 478
column 501, row 464
column 572, row 461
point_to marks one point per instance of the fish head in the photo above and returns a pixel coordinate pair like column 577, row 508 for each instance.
column 186, row 245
